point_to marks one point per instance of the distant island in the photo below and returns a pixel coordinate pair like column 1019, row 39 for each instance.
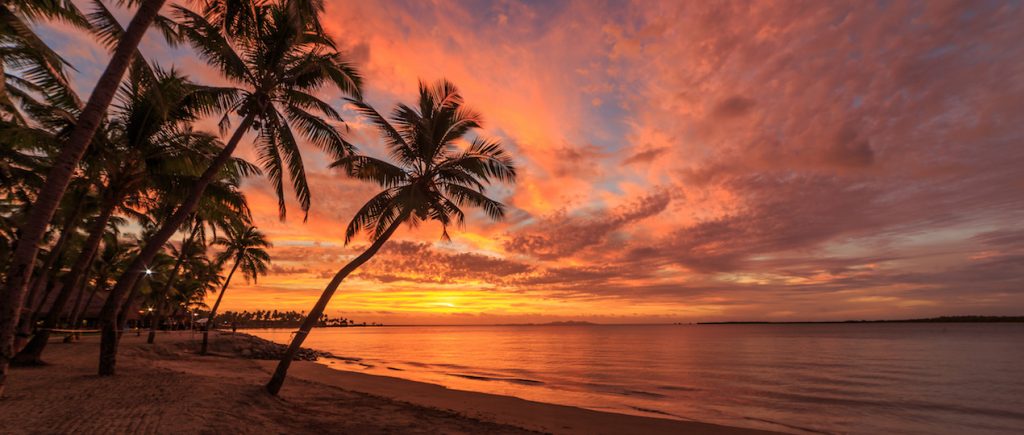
column 281, row 319
column 943, row 319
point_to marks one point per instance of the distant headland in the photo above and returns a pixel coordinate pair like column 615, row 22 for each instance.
column 943, row 319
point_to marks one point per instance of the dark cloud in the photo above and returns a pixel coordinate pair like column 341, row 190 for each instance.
column 645, row 156
column 850, row 149
column 733, row 107
column 1011, row 239
column 578, row 160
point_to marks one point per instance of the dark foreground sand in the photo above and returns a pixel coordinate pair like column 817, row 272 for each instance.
column 167, row 388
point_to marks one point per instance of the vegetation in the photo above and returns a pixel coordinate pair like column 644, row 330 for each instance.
column 73, row 141
column 432, row 179
column 121, row 204
column 245, row 246
column 281, row 319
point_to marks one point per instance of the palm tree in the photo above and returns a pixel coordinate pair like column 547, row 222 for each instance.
column 72, row 210
column 108, row 261
column 148, row 145
column 201, row 277
column 192, row 250
column 282, row 62
column 36, row 68
column 223, row 204
column 432, row 180
column 246, row 246
column 31, row 231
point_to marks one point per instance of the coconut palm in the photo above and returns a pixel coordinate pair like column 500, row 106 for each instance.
column 222, row 207
column 72, row 211
column 148, row 145
column 59, row 176
column 280, row 65
column 201, row 277
column 246, row 246
column 28, row 67
column 223, row 204
column 432, row 179
column 192, row 251
column 109, row 260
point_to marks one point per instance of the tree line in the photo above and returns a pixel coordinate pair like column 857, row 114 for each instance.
column 281, row 319
column 124, row 199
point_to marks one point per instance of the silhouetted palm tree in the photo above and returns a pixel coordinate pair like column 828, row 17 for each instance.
column 111, row 258
column 192, row 251
column 433, row 178
column 246, row 246
column 146, row 146
column 282, row 62
column 27, row 65
column 58, row 177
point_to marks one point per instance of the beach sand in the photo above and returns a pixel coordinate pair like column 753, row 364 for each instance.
column 167, row 388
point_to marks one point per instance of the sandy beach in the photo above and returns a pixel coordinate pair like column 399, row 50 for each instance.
column 167, row 388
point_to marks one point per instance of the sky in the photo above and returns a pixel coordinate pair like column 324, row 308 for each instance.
column 679, row 162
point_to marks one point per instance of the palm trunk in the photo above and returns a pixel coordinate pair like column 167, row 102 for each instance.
column 277, row 380
column 12, row 296
column 158, row 318
column 72, row 317
column 46, row 273
column 50, row 285
column 127, row 307
column 101, row 283
column 56, row 252
column 108, row 338
column 162, row 294
column 213, row 311
column 92, row 295
column 32, row 354
column 69, row 320
column 28, row 322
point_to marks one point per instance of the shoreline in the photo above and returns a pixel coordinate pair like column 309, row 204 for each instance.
column 507, row 410
column 504, row 409
column 166, row 388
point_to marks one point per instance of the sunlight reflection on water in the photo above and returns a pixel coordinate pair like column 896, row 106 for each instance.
column 835, row 378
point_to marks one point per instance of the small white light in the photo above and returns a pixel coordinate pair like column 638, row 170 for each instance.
column 149, row 272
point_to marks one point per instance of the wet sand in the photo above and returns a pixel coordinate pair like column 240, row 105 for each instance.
column 167, row 388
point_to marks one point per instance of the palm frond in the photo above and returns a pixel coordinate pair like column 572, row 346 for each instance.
column 400, row 149
column 370, row 169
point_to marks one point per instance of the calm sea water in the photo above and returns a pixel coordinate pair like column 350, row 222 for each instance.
column 835, row 378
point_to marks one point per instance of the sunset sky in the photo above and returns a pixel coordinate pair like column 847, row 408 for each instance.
column 680, row 161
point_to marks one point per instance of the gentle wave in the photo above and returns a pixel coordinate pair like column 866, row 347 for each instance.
column 491, row 378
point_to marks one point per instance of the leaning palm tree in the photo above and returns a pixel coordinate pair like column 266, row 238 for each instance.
column 108, row 261
column 148, row 145
column 31, row 231
column 245, row 245
column 279, row 65
column 432, row 180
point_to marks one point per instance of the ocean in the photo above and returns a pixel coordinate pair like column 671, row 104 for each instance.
column 802, row 378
